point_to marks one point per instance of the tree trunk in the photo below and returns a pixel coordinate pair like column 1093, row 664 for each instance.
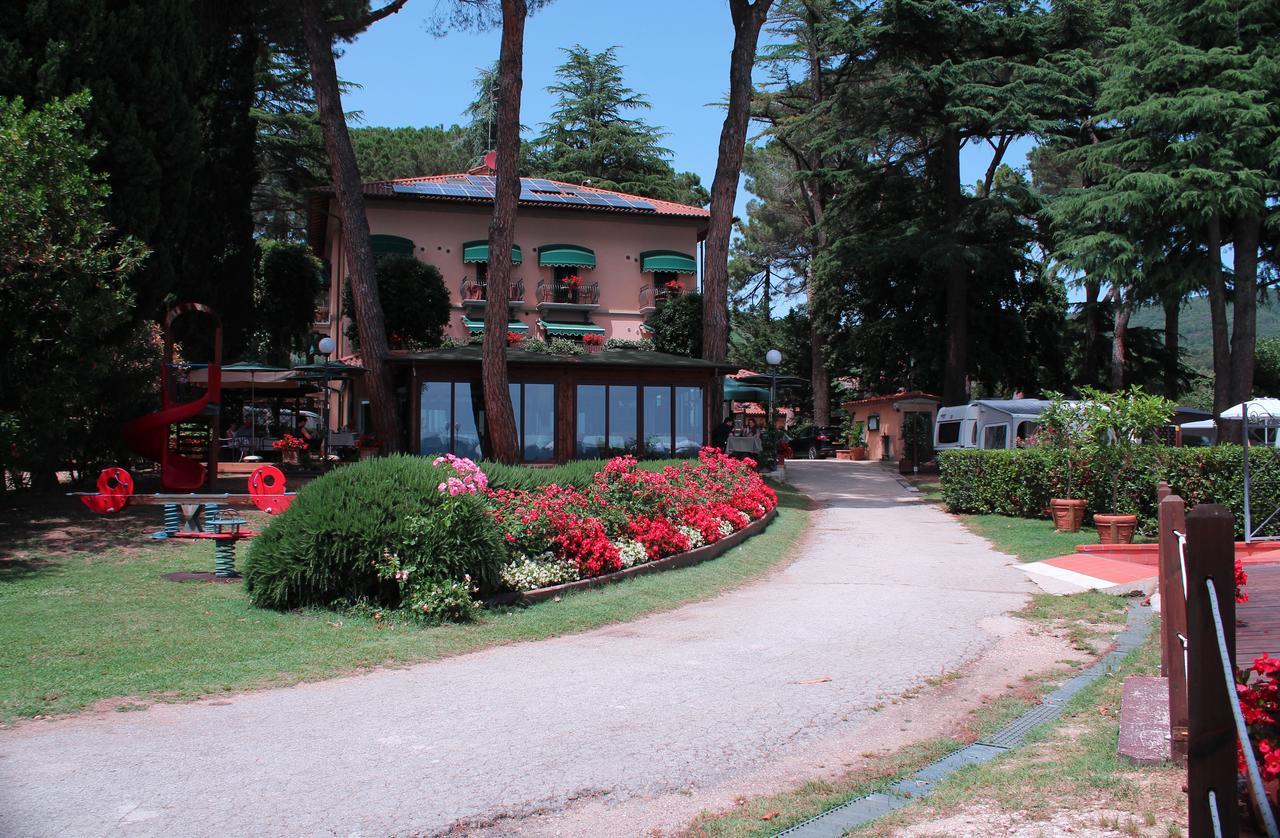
column 1218, row 317
column 1092, row 333
column 955, row 384
column 1172, row 312
column 819, row 378
column 355, row 226
column 1123, row 300
column 748, row 17
column 1244, row 319
column 504, row 443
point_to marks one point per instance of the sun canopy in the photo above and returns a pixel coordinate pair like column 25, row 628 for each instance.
column 736, row 391
column 566, row 255
column 247, row 376
column 1261, row 411
column 477, row 326
column 571, row 328
column 478, row 251
column 667, row 261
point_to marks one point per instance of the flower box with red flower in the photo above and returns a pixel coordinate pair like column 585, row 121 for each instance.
column 514, row 339
column 593, row 342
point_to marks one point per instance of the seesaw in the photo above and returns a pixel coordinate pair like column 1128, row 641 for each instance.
column 196, row 515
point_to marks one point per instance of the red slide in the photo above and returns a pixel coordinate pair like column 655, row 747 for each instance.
column 149, row 435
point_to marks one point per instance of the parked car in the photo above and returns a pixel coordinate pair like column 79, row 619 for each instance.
column 816, row 441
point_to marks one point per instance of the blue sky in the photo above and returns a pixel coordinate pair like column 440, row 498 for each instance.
column 675, row 52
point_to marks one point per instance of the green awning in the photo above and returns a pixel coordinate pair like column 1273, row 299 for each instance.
column 571, row 328
column 478, row 251
column 390, row 246
column 566, row 255
column 737, row 392
column 477, row 326
column 668, row 261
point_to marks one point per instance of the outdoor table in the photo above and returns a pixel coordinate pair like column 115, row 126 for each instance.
column 743, row 445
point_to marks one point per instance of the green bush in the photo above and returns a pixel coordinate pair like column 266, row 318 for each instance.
column 1020, row 482
column 347, row 532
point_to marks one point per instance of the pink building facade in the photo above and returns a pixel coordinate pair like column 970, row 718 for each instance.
column 589, row 262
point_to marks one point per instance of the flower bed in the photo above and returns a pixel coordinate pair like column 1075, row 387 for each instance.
column 429, row 538
column 626, row 517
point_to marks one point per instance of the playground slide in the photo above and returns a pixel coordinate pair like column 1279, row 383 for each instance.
column 149, row 436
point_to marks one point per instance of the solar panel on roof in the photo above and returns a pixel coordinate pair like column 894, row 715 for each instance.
column 531, row 190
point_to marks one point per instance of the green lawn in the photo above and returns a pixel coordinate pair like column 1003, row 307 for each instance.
column 79, row 628
column 1030, row 539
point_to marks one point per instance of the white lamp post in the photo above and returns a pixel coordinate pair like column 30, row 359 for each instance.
column 325, row 347
column 773, row 358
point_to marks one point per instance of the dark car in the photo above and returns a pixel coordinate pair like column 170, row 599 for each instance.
column 816, row 441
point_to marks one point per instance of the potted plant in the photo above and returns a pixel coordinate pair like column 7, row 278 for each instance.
column 1063, row 426
column 290, row 448
column 593, row 343
column 855, row 436
column 368, row 446
column 1120, row 424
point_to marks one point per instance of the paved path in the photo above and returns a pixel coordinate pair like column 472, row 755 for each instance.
column 885, row 593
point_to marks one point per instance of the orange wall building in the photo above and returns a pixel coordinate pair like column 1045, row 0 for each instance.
column 884, row 417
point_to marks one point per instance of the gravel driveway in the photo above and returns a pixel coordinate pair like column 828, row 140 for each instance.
column 636, row 720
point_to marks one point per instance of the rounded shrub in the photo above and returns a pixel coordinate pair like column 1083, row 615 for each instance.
column 381, row 532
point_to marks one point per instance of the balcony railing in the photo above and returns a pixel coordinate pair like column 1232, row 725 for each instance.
column 651, row 296
column 554, row 293
column 477, row 293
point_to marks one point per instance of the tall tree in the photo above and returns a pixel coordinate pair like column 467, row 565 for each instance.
column 592, row 136
column 499, row 414
column 387, row 153
column 319, row 29
column 748, row 18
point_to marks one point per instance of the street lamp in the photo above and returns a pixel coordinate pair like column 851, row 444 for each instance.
column 773, row 358
column 325, row 347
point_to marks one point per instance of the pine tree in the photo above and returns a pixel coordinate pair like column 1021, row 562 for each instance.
column 593, row 138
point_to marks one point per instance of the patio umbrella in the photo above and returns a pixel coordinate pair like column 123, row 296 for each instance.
column 325, row 370
column 251, row 369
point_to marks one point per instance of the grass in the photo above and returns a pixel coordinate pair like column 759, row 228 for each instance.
column 81, row 628
column 1085, row 618
column 1071, row 764
column 1030, row 539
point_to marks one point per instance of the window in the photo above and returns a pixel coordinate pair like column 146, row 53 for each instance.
column 657, row 421
column 434, row 435
column 948, row 433
column 617, row 419
column 538, row 423
column 1027, row 429
column 873, row 422
column 567, row 282
column 666, row 284
column 590, row 420
column 995, row 436
column 688, row 421
column 622, row 420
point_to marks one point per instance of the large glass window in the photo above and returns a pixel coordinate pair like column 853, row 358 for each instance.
column 622, row 420
column 435, row 404
column 590, row 415
column 468, row 418
column 995, row 436
column 688, row 420
column 657, row 421
column 539, row 423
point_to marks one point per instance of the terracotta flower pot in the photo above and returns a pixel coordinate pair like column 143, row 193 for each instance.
column 1115, row 529
column 1067, row 514
column 858, row 452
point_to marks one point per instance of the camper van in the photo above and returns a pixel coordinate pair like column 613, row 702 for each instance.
column 987, row 423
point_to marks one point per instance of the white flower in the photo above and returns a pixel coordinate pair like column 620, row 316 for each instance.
column 695, row 538
column 726, row 528
column 525, row 574
column 631, row 552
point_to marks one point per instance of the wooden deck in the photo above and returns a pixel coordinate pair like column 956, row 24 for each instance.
column 1258, row 620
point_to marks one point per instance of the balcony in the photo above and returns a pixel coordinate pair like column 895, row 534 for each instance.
column 476, row 294
column 561, row 296
column 653, row 295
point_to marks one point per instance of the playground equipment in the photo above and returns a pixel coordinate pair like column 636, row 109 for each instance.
column 149, row 435
column 197, row 516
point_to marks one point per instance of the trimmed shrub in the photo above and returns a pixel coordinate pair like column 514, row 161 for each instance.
column 349, row 535
column 1020, row 482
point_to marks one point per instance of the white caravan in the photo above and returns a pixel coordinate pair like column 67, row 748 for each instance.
column 987, row 423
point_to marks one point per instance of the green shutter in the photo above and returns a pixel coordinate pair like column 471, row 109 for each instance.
column 667, row 261
column 390, row 246
column 478, row 251
column 566, row 255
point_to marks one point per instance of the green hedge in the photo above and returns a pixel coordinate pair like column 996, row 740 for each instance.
column 331, row 546
column 1020, row 482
